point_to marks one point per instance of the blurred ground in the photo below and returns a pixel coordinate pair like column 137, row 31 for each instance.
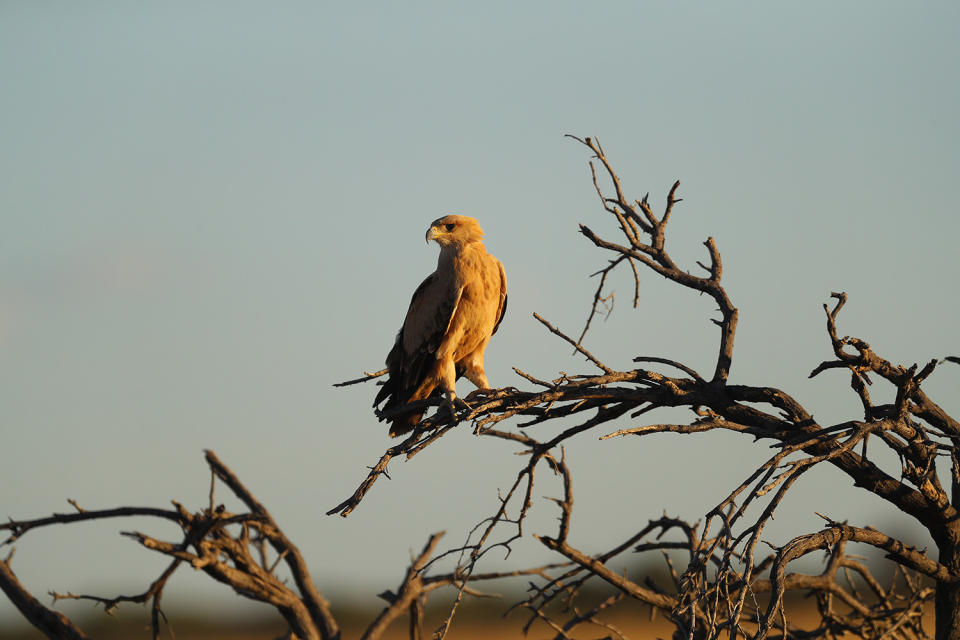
column 475, row 621
column 467, row 627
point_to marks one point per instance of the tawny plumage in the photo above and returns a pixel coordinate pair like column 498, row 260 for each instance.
column 452, row 315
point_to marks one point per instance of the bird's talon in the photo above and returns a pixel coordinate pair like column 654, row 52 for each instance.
column 450, row 408
column 482, row 392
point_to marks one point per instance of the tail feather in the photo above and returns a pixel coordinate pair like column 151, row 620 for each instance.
column 403, row 425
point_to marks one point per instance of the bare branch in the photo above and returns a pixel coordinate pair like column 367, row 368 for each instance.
column 367, row 377
column 410, row 589
column 576, row 345
column 51, row 623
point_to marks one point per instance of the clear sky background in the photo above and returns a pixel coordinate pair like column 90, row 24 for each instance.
column 211, row 212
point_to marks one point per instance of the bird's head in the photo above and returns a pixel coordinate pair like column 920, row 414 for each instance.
column 454, row 230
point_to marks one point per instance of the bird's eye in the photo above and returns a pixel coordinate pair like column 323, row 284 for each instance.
column 450, row 226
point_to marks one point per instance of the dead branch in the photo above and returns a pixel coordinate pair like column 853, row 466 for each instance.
column 410, row 591
column 51, row 623
column 367, row 377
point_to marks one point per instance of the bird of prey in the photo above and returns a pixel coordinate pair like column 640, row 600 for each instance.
column 452, row 315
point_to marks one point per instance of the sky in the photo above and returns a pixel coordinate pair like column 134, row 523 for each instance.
column 214, row 211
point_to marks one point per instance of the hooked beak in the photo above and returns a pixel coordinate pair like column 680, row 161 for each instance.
column 431, row 234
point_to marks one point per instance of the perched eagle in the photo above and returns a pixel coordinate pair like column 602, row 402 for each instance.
column 452, row 315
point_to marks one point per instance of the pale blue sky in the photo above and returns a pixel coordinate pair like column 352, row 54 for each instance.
column 213, row 211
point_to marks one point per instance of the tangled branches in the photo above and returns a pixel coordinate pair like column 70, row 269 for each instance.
column 247, row 552
column 240, row 550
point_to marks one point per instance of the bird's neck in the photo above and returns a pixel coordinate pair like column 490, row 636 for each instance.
column 452, row 254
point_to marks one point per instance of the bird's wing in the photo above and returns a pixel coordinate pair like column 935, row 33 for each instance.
column 432, row 306
column 502, row 309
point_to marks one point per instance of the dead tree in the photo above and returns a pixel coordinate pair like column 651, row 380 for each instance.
column 722, row 586
column 727, row 587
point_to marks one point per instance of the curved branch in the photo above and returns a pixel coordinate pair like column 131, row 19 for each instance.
column 19, row 527
column 51, row 623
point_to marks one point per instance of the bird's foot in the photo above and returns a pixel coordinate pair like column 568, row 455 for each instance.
column 449, row 407
column 491, row 393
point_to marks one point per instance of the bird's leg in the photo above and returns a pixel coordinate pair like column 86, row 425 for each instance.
column 448, row 378
column 473, row 370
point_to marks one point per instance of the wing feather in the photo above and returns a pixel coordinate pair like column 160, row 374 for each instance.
column 502, row 310
column 431, row 309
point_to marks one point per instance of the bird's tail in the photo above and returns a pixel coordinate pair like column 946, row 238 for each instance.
column 404, row 425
